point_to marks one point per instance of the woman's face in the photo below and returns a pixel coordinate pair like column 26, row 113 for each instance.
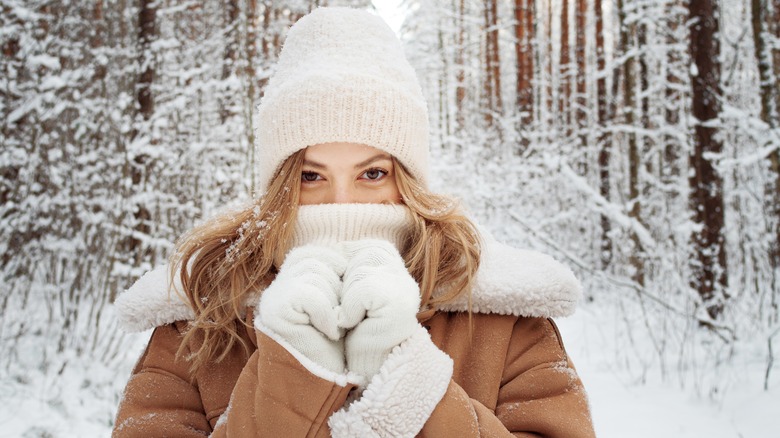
column 342, row 173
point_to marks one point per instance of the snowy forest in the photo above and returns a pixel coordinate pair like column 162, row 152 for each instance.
column 636, row 141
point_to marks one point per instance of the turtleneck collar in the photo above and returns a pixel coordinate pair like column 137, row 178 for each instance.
column 327, row 224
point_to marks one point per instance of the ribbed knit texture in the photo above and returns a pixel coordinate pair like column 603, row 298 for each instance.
column 328, row 224
column 342, row 77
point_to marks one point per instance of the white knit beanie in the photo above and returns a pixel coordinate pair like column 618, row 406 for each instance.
column 342, row 77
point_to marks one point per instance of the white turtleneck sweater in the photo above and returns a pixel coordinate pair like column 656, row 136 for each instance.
column 327, row 224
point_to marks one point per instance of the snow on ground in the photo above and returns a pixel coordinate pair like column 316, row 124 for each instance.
column 77, row 397
column 70, row 396
column 622, row 408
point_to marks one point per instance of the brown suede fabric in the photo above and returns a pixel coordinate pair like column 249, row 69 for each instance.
column 511, row 377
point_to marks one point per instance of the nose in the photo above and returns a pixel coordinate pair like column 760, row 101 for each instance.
column 343, row 193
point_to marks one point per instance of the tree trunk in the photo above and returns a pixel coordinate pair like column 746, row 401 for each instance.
column 265, row 40
column 525, row 63
column 774, row 158
column 670, row 169
column 710, row 277
column 230, row 58
column 628, row 76
column 775, row 32
column 634, row 163
column 492, row 63
column 11, row 130
column 580, row 106
column 565, row 71
column 639, row 150
column 766, row 69
column 604, row 139
column 445, row 129
column 147, row 34
column 764, row 31
column 547, row 61
column 764, row 61
column 251, row 48
column 252, row 82
column 460, row 67
column 644, row 91
column 621, row 49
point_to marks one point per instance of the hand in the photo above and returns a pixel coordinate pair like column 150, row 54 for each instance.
column 379, row 304
column 301, row 304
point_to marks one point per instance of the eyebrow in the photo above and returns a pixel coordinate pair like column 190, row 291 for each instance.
column 363, row 163
column 376, row 157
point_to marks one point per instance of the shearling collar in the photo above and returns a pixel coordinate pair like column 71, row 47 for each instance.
column 509, row 282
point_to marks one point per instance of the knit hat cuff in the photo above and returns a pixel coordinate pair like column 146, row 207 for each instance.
column 353, row 110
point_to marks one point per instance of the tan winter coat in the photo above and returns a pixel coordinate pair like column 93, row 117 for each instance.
column 511, row 378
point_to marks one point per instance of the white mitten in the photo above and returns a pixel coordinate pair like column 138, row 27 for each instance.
column 379, row 304
column 301, row 304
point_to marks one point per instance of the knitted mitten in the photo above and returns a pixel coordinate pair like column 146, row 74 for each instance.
column 301, row 304
column 379, row 304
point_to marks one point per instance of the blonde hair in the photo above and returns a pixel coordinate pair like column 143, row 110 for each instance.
column 444, row 249
column 228, row 259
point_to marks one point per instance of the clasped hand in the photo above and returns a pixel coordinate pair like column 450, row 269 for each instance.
column 343, row 307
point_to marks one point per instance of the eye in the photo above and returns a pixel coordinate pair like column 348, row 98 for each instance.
column 374, row 174
column 310, row 176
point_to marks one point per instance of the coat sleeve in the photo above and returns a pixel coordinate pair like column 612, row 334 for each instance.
column 160, row 398
column 539, row 394
column 275, row 395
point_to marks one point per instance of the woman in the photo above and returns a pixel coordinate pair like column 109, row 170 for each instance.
column 349, row 300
